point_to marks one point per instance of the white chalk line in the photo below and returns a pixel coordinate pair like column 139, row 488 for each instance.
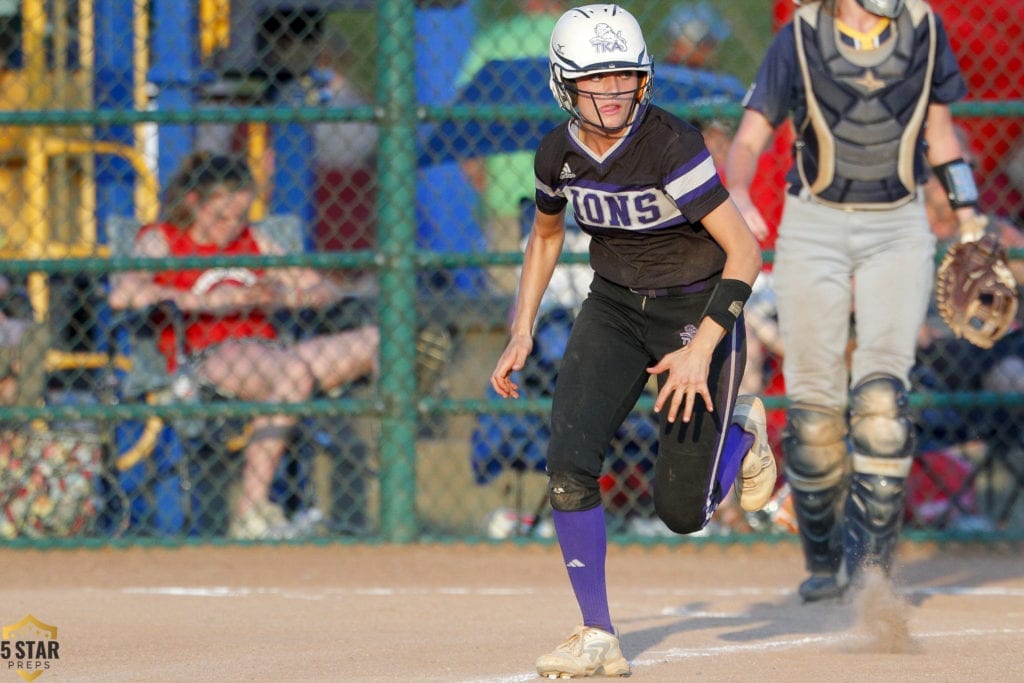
column 676, row 654
column 390, row 591
column 315, row 594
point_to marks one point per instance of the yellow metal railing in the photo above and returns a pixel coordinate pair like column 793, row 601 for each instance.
column 31, row 151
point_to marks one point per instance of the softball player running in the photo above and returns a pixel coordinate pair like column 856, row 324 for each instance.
column 673, row 262
column 868, row 83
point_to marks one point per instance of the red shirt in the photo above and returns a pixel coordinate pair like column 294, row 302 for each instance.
column 203, row 330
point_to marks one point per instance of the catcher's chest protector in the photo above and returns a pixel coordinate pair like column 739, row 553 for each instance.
column 865, row 108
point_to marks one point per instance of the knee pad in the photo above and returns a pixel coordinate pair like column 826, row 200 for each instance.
column 816, row 465
column 880, row 427
column 814, row 444
column 572, row 491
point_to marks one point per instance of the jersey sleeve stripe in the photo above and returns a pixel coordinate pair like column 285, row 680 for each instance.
column 693, row 182
column 546, row 190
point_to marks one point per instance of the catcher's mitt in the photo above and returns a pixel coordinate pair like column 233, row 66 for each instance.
column 976, row 292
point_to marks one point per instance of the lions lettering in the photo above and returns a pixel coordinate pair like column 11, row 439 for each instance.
column 639, row 210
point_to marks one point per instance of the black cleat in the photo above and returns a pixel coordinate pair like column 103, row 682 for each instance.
column 821, row 587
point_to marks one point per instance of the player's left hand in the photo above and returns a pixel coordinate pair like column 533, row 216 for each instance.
column 687, row 379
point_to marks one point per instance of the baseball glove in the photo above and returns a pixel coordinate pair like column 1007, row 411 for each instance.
column 976, row 292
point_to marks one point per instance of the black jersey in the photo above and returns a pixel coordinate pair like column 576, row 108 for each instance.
column 641, row 202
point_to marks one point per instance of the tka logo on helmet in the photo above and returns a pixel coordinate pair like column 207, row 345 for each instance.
column 608, row 39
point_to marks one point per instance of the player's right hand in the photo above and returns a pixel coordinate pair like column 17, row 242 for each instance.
column 512, row 360
column 752, row 217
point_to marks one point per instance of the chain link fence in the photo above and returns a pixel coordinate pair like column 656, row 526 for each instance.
column 386, row 149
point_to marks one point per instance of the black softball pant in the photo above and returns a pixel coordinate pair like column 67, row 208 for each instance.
column 617, row 335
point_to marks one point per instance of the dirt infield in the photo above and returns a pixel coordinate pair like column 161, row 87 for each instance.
column 483, row 613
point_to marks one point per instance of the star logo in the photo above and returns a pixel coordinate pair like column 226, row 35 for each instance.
column 869, row 82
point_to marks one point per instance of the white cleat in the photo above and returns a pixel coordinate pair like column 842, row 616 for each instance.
column 758, row 473
column 587, row 652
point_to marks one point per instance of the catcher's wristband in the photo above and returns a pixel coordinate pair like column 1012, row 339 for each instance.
column 957, row 179
column 726, row 302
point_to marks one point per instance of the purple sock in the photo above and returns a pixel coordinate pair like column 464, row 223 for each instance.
column 737, row 443
column 584, row 542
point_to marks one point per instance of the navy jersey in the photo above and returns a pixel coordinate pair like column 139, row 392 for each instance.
column 641, row 202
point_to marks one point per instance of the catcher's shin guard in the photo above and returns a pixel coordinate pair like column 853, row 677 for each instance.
column 814, row 445
column 883, row 446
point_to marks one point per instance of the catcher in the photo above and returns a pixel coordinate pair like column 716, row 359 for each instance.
column 868, row 85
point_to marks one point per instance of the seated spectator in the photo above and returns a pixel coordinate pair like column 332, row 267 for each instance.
column 229, row 339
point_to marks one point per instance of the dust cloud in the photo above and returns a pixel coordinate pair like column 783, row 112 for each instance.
column 881, row 616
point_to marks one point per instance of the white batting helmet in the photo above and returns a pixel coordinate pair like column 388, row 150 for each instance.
column 596, row 39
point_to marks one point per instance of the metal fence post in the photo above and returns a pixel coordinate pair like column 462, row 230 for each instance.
column 397, row 243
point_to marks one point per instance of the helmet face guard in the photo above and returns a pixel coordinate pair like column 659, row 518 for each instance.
column 883, row 8
column 640, row 96
column 597, row 39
